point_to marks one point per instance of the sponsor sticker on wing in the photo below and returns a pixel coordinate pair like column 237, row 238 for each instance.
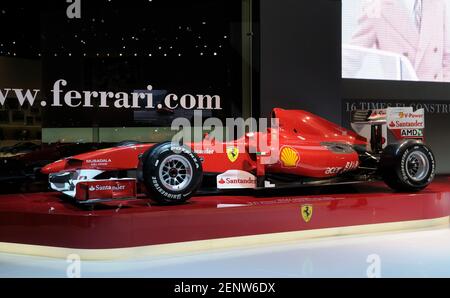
column 105, row 189
column 412, row 133
column 406, row 118
column 235, row 179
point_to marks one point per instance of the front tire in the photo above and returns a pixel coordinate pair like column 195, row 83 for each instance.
column 408, row 166
column 171, row 173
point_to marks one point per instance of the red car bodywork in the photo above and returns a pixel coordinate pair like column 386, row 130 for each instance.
column 301, row 133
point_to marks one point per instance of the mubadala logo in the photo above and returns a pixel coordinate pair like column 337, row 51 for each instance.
column 412, row 133
column 98, row 160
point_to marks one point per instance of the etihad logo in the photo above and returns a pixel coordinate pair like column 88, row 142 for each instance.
column 289, row 157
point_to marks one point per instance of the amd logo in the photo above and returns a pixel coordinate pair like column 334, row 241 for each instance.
column 412, row 133
column 74, row 9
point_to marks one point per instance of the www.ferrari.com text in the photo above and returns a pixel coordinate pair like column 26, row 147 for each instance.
column 107, row 99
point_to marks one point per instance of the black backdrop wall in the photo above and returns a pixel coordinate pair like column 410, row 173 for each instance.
column 300, row 56
column 299, row 63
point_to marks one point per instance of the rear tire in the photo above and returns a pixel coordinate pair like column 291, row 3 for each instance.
column 407, row 166
column 171, row 173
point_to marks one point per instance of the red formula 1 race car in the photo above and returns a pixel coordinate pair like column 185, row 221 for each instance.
column 307, row 150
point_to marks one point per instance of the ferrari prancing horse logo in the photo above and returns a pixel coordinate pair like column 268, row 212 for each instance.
column 233, row 153
column 307, row 212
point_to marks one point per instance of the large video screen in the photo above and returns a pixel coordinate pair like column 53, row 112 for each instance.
column 399, row 40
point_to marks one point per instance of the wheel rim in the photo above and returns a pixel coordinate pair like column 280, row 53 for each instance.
column 417, row 166
column 175, row 173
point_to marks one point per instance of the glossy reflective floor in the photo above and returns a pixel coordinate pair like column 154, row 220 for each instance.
column 423, row 253
column 46, row 219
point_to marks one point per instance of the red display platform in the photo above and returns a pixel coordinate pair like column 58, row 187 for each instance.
column 44, row 219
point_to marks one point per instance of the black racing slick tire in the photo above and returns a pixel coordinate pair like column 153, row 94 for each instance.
column 170, row 173
column 409, row 166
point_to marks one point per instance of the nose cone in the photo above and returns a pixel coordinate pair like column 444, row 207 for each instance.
column 56, row 167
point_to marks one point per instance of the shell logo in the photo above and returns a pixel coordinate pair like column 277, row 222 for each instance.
column 289, row 157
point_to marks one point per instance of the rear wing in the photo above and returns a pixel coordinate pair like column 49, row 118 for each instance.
column 384, row 126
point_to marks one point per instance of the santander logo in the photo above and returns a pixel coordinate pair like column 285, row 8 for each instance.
column 117, row 187
column 400, row 118
column 236, row 179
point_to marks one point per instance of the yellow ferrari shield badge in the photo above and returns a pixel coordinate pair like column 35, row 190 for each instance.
column 232, row 153
column 307, row 212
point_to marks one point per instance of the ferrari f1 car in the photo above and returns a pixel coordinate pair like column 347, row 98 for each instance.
column 309, row 150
